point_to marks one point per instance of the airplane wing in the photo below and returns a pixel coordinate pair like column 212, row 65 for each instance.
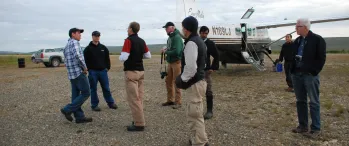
column 294, row 23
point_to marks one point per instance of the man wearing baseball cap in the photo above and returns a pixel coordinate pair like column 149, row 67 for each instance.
column 77, row 70
column 193, row 79
column 98, row 64
column 173, row 51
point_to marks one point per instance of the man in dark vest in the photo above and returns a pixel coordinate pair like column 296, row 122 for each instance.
column 287, row 54
column 193, row 77
column 309, row 59
column 133, row 52
column 211, row 51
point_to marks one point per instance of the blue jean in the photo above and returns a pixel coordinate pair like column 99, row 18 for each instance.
column 101, row 76
column 80, row 93
column 307, row 85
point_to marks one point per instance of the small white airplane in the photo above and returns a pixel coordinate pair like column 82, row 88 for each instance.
column 240, row 43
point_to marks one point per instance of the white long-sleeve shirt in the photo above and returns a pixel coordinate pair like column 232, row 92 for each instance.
column 190, row 55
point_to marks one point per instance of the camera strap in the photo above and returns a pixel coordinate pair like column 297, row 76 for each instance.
column 163, row 58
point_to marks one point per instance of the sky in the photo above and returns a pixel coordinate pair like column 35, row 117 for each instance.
column 30, row 25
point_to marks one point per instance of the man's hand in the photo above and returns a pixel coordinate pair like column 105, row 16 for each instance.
column 210, row 71
column 85, row 71
column 163, row 50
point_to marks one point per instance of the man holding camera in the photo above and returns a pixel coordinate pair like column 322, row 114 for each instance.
column 174, row 55
column 310, row 57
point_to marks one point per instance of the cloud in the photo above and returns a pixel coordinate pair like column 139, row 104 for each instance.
column 34, row 24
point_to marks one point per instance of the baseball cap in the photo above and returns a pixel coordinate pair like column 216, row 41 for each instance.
column 96, row 33
column 72, row 30
column 168, row 24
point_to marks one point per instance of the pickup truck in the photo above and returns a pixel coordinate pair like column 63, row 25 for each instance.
column 49, row 57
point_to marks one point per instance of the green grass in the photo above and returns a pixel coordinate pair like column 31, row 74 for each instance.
column 13, row 59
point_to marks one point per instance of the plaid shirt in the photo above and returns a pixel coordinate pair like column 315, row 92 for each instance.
column 74, row 59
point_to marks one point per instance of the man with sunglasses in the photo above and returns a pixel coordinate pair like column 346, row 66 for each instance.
column 174, row 54
column 98, row 64
column 210, row 67
column 309, row 59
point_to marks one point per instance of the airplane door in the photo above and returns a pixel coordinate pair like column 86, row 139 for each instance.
column 243, row 37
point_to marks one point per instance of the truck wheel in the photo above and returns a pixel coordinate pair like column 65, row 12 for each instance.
column 55, row 62
column 47, row 64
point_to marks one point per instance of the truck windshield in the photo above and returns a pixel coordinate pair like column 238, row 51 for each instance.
column 49, row 50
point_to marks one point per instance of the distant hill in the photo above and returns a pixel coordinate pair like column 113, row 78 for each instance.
column 333, row 43
column 10, row 53
column 154, row 48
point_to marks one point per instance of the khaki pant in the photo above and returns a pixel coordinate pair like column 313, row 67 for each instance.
column 174, row 70
column 196, row 122
column 135, row 92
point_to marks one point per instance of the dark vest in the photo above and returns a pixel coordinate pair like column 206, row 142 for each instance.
column 200, row 61
column 135, row 60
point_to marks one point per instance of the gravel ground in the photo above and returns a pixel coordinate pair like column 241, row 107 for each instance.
column 250, row 108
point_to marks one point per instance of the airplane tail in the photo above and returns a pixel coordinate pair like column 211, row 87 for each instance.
column 187, row 8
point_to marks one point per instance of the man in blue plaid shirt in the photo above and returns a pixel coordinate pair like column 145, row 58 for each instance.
column 77, row 70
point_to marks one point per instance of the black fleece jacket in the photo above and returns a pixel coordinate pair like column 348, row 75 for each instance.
column 314, row 54
column 97, row 57
column 211, row 51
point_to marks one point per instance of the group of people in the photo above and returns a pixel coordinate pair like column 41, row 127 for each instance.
column 304, row 59
column 189, row 69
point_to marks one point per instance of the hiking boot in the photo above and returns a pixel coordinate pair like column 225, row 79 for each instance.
column 312, row 134
column 133, row 128
column 300, row 130
column 113, row 106
column 67, row 115
column 83, row 120
column 168, row 103
column 208, row 115
column 97, row 109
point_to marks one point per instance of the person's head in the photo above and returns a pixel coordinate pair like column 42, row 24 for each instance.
column 288, row 38
column 133, row 28
column 169, row 27
column 303, row 26
column 75, row 33
column 96, row 36
column 190, row 25
column 204, row 32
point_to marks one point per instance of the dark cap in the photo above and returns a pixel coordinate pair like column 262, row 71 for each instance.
column 73, row 30
column 96, row 33
column 191, row 24
column 168, row 24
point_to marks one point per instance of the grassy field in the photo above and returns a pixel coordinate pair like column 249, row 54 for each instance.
column 11, row 60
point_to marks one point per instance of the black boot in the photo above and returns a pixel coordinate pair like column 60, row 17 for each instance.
column 209, row 113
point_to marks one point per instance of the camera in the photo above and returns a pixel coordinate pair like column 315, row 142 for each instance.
column 163, row 74
column 298, row 58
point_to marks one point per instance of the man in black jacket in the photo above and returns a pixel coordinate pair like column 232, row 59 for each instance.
column 310, row 57
column 287, row 53
column 98, row 64
column 211, row 51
